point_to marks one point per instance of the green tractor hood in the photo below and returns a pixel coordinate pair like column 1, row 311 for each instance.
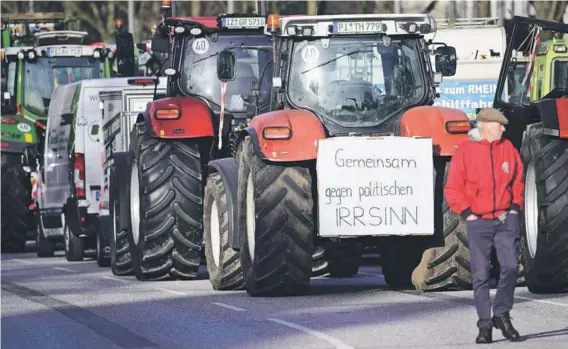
column 17, row 134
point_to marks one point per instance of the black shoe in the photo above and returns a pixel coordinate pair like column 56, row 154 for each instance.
column 484, row 336
column 504, row 324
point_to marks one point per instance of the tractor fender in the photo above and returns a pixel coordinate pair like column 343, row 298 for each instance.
column 194, row 121
column 119, row 186
column 228, row 169
column 305, row 129
column 553, row 112
column 434, row 122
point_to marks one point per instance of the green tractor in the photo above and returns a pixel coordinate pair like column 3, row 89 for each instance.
column 39, row 53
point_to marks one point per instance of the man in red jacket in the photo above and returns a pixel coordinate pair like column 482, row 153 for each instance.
column 485, row 187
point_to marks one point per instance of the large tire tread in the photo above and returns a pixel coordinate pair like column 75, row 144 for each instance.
column 284, row 226
column 548, row 271
column 171, row 192
column 120, row 256
column 229, row 275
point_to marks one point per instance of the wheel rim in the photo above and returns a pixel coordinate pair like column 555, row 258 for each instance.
column 531, row 210
column 250, row 216
column 65, row 233
column 215, row 234
column 135, row 203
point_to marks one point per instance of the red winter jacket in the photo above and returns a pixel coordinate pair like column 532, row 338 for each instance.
column 485, row 179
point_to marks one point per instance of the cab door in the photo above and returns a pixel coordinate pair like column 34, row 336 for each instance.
column 519, row 109
column 55, row 176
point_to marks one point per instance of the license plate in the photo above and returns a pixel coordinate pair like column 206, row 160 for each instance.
column 244, row 22
column 357, row 27
column 64, row 51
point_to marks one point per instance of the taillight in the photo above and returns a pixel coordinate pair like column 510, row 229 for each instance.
column 79, row 175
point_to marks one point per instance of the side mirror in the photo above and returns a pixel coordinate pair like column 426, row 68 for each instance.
column 29, row 156
column 226, row 62
column 144, row 59
column 124, row 55
column 160, row 43
column 446, row 60
column 141, row 46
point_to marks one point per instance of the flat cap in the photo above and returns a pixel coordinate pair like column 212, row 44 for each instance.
column 491, row 115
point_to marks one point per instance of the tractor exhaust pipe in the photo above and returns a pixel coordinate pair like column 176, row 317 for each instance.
column 261, row 7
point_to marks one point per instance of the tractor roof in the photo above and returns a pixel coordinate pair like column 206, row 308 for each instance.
column 357, row 24
column 221, row 23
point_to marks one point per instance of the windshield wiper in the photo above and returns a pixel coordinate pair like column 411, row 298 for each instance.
column 204, row 58
column 330, row 61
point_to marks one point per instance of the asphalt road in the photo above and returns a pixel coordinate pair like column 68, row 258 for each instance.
column 53, row 304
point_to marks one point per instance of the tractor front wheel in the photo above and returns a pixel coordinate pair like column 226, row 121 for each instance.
column 276, row 221
column 166, row 206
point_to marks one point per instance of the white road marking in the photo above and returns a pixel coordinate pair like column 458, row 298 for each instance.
column 229, row 306
column 114, row 279
column 66, row 269
column 333, row 341
column 545, row 301
column 22, row 261
column 371, row 274
column 178, row 293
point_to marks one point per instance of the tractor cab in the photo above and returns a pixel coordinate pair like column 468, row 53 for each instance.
column 192, row 66
column 356, row 73
column 538, row 56
column 54, row 56
column 538, row 127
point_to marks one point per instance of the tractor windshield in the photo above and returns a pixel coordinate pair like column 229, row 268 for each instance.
column 515, row 75
column 45, row 74
column 199, row 69
column 356, row 81
column 560, row 74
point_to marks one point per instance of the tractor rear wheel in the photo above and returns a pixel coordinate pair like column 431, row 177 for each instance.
column 166, row 200
column 276, row 222
column 543, row 245
column 120, row 258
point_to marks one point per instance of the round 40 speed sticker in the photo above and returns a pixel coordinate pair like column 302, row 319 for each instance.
column 24, row 127
column 310, row 54
column 200, row 46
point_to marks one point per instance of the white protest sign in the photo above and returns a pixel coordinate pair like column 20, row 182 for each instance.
column 375, row 186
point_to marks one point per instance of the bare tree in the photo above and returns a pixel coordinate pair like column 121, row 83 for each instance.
column 483, row 8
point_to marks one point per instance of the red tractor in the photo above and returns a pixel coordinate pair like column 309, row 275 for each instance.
column 161, row 198
column 538, row 127
column 351, row 151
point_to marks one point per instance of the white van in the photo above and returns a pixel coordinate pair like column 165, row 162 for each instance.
column 80, row 188
column 54, row 170
column 120, row 107
column 480, row 46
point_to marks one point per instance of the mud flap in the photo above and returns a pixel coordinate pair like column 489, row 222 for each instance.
column 104, row 231
column 119, row 187
column 73, row 214
column 228, row 169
